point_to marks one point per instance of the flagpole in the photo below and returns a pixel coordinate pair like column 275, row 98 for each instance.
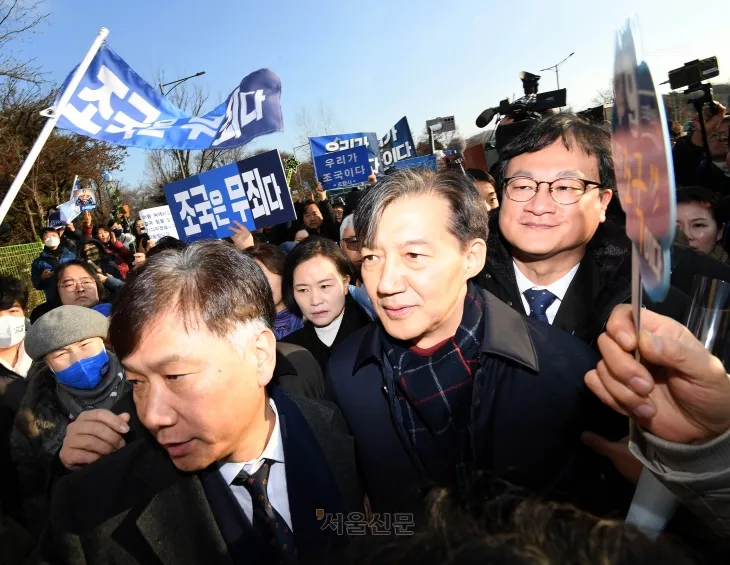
column 54, row 116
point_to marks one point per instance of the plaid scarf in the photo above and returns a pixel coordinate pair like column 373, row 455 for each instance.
column 431, row 392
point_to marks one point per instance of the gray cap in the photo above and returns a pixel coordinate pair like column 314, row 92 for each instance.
column 63, row 326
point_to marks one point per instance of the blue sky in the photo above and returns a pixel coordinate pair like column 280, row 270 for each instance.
column 370, row 63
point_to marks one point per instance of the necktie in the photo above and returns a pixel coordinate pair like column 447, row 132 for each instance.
column 267, row 522
column 539, row 301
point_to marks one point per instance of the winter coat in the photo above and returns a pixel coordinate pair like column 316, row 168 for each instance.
column 50, row 260
column 37, row 437
column 109, row 262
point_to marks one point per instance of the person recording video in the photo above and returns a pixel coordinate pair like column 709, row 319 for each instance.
column 690, row 164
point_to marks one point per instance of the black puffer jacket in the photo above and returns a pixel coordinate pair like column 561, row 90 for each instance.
column 602, row 282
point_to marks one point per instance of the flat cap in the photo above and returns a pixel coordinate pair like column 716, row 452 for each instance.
column 63, row 326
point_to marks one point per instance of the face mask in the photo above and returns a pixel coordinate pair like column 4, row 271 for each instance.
column 92, row 255
column 12, row 330
column 85, row 374
column 117, row 233
column 52, row 242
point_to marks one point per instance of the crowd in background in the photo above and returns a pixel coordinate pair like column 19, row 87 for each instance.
column 445, row 354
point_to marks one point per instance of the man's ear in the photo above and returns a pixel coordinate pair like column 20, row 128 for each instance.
column 476, row 257
column 606, row 196
column 265, row 351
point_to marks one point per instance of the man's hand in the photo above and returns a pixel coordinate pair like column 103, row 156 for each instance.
column 685, row 395
column 112, row 237
column 372, row 179
column 91, row 436
column 242, row 238
column 618, row 452
column 712, row 122
column 47, row 274
column 320, row 193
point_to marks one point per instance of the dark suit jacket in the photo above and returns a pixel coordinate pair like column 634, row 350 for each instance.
column 134, row 506
column 529, row 406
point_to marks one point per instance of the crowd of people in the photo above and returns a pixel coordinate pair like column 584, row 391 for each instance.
column 439, row 369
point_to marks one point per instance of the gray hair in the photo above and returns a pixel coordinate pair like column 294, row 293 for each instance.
column 469, row 215
column 209, row 281
column 348, row 222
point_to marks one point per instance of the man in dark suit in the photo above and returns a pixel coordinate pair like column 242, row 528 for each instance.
column 451, row 381
column 228, row 473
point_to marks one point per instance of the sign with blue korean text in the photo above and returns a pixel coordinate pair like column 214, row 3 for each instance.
column 643, row 163
column 252, row 192
column 114, row 104
column 424, row 162
column 334, row 143
column 397, row 144
column 343, row 168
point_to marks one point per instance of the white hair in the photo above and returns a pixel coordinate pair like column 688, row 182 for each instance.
column 241, row 335
column 348, row 222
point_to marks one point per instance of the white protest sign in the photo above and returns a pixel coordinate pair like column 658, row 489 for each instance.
column 159, row 222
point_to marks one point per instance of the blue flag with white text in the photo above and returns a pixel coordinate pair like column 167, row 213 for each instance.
column 114, row 104
column 397, row 145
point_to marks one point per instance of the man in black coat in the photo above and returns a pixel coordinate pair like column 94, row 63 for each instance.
column 228, row 472
column 555, row 238
column 451, row 381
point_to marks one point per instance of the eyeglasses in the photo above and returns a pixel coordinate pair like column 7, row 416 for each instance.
column 85, row 283
column 562, row 191
column 351, row 243
column 718, row 136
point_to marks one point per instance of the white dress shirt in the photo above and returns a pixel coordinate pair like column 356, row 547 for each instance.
column 276, row 486
column 558, row 288
column 22, row 365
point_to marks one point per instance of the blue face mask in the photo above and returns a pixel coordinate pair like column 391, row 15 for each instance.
column 117, row 233
column 85, row 374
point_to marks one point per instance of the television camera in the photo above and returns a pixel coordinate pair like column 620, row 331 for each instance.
column 522, row 111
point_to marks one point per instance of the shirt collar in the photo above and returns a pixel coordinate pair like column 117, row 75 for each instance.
column 558, row 288
column 274, row 450
column 22, row 366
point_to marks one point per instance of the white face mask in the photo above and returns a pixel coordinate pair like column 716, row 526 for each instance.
column 12, row 330
column 51, row 242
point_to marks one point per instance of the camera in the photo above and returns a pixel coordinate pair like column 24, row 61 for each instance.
column 693, row 73
column 524, row 110
column 698, row 93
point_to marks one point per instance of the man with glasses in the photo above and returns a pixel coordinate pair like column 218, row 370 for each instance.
column 552, row 255
column 690, row 166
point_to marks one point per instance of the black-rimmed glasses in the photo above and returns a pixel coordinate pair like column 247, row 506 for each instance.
column 562, row 191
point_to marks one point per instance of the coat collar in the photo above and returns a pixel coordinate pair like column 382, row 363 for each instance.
column 506, row 335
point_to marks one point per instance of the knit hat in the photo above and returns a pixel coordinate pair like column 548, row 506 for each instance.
column 63, row 326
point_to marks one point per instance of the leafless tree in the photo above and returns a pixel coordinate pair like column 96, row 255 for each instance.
column 603, row 97
column 18, row 19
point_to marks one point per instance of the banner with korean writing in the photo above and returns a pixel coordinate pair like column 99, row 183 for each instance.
column 424, row 162
column 334, row 143
column 159, row 223
column 252, row 192
column 397, row 144
column 343, row 168
column 114, row 104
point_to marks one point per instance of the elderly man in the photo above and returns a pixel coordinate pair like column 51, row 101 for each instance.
column 230, row 470
column 349, row 244
column 451, row 380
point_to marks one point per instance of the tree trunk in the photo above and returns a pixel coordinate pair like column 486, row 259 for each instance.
column 30, row 221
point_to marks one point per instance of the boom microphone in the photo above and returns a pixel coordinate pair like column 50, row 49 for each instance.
column 486, row 116
column 458, row 144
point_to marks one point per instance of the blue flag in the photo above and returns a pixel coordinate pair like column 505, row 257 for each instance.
column 333, row 143
column 253, row 192
column 114, row 104
column 343, row 168
column 397, row 145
